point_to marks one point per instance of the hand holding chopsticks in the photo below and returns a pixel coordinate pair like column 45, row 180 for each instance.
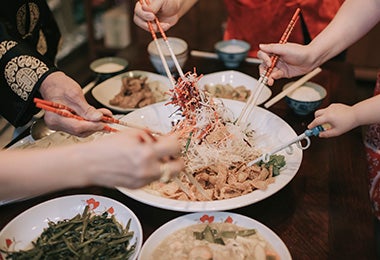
column 172, row 55
column 252, row 101
column 66, row 111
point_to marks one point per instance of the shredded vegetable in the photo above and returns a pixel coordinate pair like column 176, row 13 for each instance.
column 216, row 149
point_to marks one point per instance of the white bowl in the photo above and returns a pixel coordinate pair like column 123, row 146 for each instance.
column 26, row 227
column 179, row 48
column 203, row 217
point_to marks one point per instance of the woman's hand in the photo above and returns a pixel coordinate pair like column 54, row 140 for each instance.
column 58, row 87
column 132, row 159
column 294, row 60
column 167, row 11
column 340, row 117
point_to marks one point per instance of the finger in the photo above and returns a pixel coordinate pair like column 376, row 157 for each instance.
column 141, row 23
column 145, row 12
column 319, row 112
column 167, row 146
column 72, row 126
column 328, row 133
column 170, row 169
column 92, row 114
column 265, row 58
column 105, row 112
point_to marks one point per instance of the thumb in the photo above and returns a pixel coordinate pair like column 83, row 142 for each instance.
column 92, row 114
column 273, row 48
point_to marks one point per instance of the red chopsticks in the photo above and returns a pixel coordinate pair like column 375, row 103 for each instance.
column 252, row 100
column 284, row 39
column 66, row 111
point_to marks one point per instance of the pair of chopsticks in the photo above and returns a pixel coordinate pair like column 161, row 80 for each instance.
column 66, row 111
column 172, row 80
column 164, row 63
column 252, row 101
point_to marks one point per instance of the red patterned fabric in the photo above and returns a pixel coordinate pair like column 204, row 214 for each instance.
column 258, row 21
column 372, row 146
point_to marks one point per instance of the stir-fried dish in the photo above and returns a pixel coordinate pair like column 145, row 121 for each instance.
column 85, row 236
column 215, row 241
column 216, row 150
column 227, row 91
column 137, row 92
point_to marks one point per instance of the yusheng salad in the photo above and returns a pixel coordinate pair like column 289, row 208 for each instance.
column 216, row 150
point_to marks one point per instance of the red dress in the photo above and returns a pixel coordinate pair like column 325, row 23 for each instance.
column 372, row 146
column 264, row 21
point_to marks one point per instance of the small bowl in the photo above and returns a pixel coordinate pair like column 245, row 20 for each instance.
column 232, row 52
column 108, row 67
column 305, row 99
column 180, row 50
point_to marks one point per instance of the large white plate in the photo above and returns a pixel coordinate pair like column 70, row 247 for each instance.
column 190, row 219
column 235, row 79
column 273, row 132
column 26, row 227
column 108, row 89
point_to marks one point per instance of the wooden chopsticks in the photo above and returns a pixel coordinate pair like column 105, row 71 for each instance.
column 252, row 101
column 66, row 111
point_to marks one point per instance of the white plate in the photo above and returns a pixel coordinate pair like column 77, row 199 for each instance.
column 26, row 227
column 272, row 130
column 235, row 79
column 190, row 219
column 109, row 88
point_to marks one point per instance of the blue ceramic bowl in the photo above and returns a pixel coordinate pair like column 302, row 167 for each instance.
column 232, row 52
column 305, row 99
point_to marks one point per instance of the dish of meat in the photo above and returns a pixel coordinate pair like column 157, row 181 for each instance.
column 232, row 84
column 273, row 131
column 131, row 90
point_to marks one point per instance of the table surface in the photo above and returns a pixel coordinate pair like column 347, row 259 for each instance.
column 324, row 212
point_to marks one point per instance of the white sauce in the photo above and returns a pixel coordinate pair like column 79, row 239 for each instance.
column 109, row 68
column 232, row 49
column 305, row 93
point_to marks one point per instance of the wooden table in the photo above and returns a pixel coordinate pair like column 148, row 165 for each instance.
column 323, row 213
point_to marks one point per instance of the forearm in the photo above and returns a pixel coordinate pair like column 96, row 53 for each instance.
column 185, row 5
column 366, row 111
column 353, row 20
column 31, row 172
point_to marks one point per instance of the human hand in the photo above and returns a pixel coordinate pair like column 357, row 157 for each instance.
column 340, row 117
column 132, row 158
column 167, row 11
column 294, row 60
column 58, row 87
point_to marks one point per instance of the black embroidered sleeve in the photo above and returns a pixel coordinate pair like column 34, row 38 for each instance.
column 22, row 70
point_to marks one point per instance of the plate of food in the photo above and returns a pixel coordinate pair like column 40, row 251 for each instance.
column 211, row 164
column 214, row 235
column 131, row 90
column 232, row 84
column 107, row 228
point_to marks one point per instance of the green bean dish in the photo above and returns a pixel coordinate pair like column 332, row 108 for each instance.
column 85, row 236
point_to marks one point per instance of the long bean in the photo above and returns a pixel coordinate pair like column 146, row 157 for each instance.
column 85, row 236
